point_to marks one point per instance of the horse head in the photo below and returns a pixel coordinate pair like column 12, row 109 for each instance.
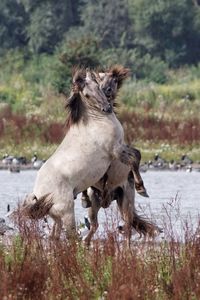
column 87, row 88
column 86, row 94
column 112, row 80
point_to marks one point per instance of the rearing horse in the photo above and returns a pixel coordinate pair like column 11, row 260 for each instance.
column 94, row 138
column 120, row 180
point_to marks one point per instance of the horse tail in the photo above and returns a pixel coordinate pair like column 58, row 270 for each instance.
column 145, row 227
column 36, row 208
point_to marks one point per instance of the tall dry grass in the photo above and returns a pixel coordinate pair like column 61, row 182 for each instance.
column 137, row 126
column 153, row 128
column 34, row 267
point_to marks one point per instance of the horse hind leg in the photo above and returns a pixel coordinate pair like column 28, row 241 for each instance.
column 63, row 214
column 126, row 213
column 93, row 215
column 85, row 200
column 57, row 228
column 68, row 219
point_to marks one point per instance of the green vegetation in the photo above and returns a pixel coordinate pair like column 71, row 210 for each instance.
column 41, row 42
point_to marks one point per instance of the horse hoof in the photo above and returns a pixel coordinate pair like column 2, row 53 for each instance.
column 143, row 193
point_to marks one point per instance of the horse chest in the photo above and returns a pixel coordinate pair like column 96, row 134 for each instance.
column 105, row 135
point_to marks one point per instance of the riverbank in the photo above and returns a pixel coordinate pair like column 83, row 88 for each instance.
column 166, row 166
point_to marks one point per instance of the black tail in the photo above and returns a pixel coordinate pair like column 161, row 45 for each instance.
column 144, row 227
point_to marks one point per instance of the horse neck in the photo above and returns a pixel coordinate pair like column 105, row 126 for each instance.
column 84, row 113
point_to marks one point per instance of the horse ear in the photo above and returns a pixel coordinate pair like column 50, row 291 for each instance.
column 97, row 77
column 120, row 73
column 79, row 80
column 91, row 75
column 101, row 75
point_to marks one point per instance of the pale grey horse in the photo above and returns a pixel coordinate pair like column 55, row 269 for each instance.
column 120, row 179
column 93, row 140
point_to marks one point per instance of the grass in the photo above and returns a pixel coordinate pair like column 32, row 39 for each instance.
column 167, row 151
column 24, row 135
column 157, row 118
column 33, row 267
column 172, row 101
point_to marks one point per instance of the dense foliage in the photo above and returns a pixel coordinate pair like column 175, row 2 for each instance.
column 143, row 34
column 41, row 41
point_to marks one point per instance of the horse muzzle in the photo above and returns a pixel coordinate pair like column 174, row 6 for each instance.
column 107, row 109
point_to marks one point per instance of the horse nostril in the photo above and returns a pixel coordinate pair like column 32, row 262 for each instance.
column 109, row 109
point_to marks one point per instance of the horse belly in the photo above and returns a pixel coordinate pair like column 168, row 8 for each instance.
column 76, row 170
column 89, row 174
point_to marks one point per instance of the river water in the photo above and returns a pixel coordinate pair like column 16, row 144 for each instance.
column 169, row 192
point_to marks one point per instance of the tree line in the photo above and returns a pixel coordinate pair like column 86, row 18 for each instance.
column 146, row 35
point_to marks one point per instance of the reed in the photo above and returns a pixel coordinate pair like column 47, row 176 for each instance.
column 33, row 267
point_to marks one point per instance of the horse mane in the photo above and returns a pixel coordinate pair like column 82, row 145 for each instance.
column 120, row 73
column 74, row 105
column 75, row 110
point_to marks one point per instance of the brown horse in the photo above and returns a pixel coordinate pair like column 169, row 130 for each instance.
column 120, row 180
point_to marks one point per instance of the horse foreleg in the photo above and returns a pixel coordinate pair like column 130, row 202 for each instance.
column 131, row 157
column 125, row 154
column 139, row 184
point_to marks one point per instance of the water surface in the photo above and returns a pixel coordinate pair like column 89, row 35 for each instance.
column 165, row 188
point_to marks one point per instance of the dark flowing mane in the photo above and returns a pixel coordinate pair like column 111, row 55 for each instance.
column 74, row 104
column 75, row 110
column 120, row 73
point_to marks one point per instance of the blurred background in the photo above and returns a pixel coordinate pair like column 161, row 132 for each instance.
column 159, row 40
